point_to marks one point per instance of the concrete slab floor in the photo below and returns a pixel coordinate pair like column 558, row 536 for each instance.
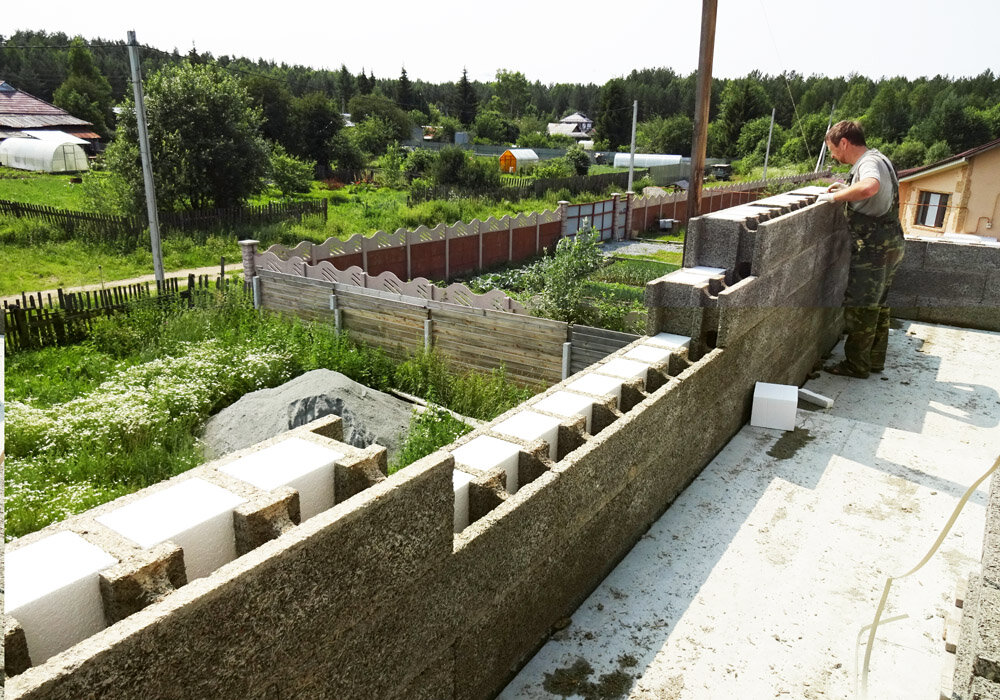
column 759, row 580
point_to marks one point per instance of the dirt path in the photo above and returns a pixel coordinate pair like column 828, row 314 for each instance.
column 213, row 270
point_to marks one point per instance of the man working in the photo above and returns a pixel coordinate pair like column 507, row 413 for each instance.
column 872, row 197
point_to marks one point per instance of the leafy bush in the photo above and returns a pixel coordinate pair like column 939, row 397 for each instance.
column 429, row 430
column 578, row 159
column 575, row 257
column 291, row 175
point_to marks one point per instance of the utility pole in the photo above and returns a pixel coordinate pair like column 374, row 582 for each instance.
column 822, row 150
column 147, row 164
column 709, row 10
column 631, row 158
column 767, row 153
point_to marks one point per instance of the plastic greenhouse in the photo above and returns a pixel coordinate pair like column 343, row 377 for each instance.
column 645, row 160
column 50, row 156
column 514, row 159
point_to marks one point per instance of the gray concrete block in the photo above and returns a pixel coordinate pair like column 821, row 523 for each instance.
column 265, row 518
column 15, row 647
column 946, row 287
column 959, row 257
column 983, row 689
column 991, row 290
column 785, row 237
column 986, row 662
column 913, row 255
column 144, row 579
column 356, row 472
column 991, row 536
column 965, row 652
column 716, row 240
column 267, row 617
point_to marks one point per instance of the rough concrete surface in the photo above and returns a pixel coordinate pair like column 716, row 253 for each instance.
column 369, row 416
column 759, row 580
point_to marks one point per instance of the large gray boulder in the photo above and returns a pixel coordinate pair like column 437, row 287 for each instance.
column 369, row 416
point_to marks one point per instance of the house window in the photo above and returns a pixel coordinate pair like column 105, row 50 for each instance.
column 931, row 209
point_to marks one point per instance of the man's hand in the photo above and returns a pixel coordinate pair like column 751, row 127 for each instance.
column 836, row 186
column 825, row 197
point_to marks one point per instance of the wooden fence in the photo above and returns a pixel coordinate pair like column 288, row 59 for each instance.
column 471, row 339
column 37, row 322
column 590, row 345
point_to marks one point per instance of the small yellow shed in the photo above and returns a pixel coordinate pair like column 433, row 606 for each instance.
column 513, row 159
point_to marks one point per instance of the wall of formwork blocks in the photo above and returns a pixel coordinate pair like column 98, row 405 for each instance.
column 379, row 596
column 977, row 663
column 947, row 281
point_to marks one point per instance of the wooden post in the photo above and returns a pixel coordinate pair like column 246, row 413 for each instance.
column 702, row 102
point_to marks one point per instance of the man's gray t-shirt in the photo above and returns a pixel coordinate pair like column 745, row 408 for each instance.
column 873, row 164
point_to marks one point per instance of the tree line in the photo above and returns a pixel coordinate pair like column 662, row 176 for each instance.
column 297, row 113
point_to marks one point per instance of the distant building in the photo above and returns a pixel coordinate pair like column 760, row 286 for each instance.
column 957, row 196
column 577, row 126
column 21, row 113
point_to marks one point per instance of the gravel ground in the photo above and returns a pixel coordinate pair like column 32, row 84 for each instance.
column 639, row 247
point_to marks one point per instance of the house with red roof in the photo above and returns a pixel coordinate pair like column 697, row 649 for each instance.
column 21, row 114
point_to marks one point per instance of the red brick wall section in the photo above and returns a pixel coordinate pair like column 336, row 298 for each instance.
column 495, row 248
column 427, row 260
column 464, row 255
column 524, row 243
column 388, row 259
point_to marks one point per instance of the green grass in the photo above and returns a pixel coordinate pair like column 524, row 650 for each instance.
column 667, row 257
column 69, row 264
column 90, row 422
column 50, row 189
column 634, row 271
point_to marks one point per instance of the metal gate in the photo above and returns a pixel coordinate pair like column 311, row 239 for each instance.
column 600, row 215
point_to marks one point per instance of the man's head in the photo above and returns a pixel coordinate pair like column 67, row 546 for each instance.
column 846, row 141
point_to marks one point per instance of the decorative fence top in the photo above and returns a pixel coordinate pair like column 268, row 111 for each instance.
column 333, row 247
column 388, row 282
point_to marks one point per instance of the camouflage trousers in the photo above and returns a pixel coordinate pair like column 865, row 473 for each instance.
column 878, row 249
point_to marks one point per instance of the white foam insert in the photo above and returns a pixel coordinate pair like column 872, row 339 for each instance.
column 194, row 514
column 668, row 340
column 52, row 589
column 774, row 406
column 530, row 426
column 706, row 271
column 303, row 465
column 648, row 353
column 626, row 369
column 484, row 453
column 598, row 385
column 460, row 483
column 566, row 403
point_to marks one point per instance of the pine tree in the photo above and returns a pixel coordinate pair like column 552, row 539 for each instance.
column 85, row 93
column 404, row 92
column 466, row 104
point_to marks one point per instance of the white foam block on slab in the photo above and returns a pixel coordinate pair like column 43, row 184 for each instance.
column 303, row 465
column 815, row 399
column 649, row 354
column 460, row 483
column 52, row 589
column 598, row 385
column 567, row 404
column 530, row 426
column 626, row 369
column 668, row 340
column 194, row 514
column 484, row 453
column 774, row 406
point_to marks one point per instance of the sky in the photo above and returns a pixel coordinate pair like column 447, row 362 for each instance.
column 578, row 42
